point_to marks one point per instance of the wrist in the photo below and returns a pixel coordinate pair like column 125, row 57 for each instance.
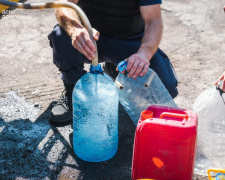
column 71, row 28
column 146, row 52
column 69, row 25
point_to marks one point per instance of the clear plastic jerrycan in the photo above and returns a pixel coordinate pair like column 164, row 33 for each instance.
column 95, row 117
column 210, row 108
column 142, row 92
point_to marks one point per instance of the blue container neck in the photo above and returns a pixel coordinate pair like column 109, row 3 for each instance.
column 96, row 69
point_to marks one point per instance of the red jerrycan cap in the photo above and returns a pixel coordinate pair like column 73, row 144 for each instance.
column 146, row 115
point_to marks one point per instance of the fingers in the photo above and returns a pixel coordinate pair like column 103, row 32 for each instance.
column 88, row 41
column 82, row 42
column 223, row 86
column 87, row 47
column 137, row 66
column 96, row 34
column 144, row 71
column 136, row 69
column 220, row 78
column 130, row 63
column 223, row 83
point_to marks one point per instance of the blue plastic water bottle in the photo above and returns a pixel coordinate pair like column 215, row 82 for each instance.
column 140, row 93
column 95, row 117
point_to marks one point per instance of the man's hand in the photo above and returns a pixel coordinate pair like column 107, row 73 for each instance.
column 138, row 64
column 82, row 42
column 222, row 80
column 69, row 21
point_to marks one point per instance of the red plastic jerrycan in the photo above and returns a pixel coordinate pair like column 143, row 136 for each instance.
column 165, row 144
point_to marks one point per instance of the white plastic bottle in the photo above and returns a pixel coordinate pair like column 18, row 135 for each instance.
column 210, row 108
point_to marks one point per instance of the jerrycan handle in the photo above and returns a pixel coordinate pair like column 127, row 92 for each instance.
column 215, row 171
column 183, row 116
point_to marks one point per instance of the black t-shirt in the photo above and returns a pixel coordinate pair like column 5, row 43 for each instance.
column 117, row 18
column 149, row 2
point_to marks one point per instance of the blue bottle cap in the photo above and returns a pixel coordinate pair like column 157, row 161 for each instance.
column 96, row 69
column 122, row 66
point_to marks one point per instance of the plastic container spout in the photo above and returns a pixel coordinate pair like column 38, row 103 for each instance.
column 122, row 67
column 146, row 115
column 96, row 69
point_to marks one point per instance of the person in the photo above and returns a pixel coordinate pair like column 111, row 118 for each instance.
column 221, row 80
column 123, row 30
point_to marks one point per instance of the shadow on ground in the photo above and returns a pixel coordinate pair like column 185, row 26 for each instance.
column 39, row 150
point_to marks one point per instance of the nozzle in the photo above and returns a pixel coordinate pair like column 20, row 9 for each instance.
column 96, row 69
column 122, row 66
column 146, row 115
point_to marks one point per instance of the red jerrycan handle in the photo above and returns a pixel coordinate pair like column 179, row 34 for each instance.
column 183, row 116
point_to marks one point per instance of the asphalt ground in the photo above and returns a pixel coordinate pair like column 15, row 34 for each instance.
column 33, row 148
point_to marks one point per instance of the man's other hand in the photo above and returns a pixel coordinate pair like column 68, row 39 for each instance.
column 222, row 82
column 137, row 65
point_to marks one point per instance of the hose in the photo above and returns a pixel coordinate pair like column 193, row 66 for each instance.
column 78, row 10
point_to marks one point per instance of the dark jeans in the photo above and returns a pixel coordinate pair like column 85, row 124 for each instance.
column 71, row 62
